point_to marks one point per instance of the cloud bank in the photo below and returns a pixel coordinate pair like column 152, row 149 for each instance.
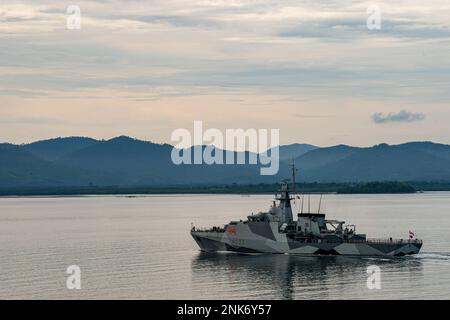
column 402, row 116
column 144, row 67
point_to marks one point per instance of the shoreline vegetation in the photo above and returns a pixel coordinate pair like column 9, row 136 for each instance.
column 377, row 187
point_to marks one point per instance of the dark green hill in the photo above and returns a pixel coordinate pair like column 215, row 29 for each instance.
column 323, row 156
column 124, row 161
column 53, row 149
column 384, row 162
column 18, row 168
column 295, row 150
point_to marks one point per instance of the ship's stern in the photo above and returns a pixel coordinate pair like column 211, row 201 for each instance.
column 413, row 247
column 398, row 248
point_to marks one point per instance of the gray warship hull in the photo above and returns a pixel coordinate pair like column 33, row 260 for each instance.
column 276, row 231
column 262, row 237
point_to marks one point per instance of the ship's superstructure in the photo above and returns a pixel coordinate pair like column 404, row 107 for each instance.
column 275, row 231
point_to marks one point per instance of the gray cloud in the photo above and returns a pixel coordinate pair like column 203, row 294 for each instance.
column 228, row 45
column 402, row 116
column 32, row 120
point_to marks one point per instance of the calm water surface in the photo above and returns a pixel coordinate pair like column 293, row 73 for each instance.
column 140, row 248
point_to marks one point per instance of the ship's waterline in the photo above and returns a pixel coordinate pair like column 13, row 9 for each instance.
column 141, row 248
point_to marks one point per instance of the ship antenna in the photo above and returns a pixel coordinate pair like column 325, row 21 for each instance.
column 303, row 200
column 320, row 203
column 294, row 172
column 309, row 203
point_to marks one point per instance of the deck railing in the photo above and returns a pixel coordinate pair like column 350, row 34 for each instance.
column 214, row 229
column 370, row 240
column 385, row 241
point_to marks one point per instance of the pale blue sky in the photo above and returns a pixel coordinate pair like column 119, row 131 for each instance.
column 145, row 68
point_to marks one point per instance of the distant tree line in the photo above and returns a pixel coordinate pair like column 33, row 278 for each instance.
column 342, row 188
column 379, row 187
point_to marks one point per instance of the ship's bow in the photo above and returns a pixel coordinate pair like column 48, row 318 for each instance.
column 209, row 241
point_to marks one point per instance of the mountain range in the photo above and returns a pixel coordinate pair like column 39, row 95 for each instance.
column 124, row 161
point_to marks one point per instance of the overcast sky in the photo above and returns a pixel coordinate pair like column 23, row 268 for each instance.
column 144, row 68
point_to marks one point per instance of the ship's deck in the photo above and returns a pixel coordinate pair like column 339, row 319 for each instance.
column 368, row 241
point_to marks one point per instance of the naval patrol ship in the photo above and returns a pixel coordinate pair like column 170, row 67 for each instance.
column 276, row 231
